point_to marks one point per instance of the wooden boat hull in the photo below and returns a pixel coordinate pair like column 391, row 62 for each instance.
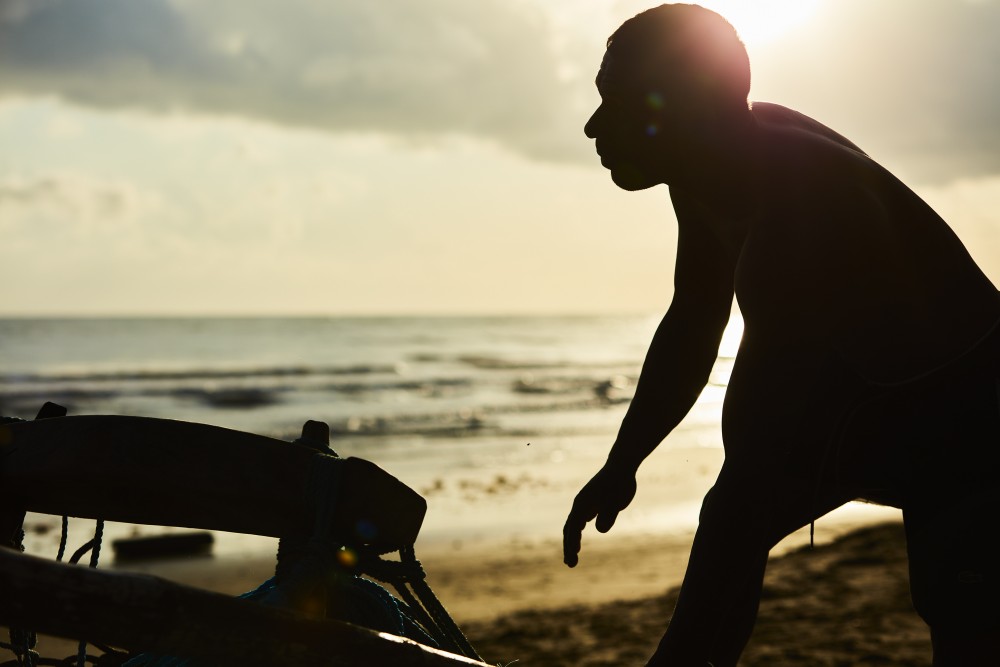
column 145, row 613
column 176, row 473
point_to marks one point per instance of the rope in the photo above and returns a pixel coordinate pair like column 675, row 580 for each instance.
column 22, row 643
column 395, row 573
column 315, row 435
column 436, row 609
column 62, row 538
column 422, row 611
column 322, row 485
column 302, row 566
column 94, row 546
column 398, row 575
column 432, row 615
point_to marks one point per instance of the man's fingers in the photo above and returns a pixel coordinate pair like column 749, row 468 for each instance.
column 605, row 521
column 573, row 532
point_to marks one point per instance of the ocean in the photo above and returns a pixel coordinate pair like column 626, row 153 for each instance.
column 497, row 421
column 386, row 380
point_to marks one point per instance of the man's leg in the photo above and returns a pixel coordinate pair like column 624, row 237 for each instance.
column 955, row 577
column 737, row 626
column 954, row 648
column 751, row 507
column 777, row 443
column 726, row 555
column 950, row 426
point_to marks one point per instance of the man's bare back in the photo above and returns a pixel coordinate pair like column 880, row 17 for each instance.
column 861, row 256
column 859, row 302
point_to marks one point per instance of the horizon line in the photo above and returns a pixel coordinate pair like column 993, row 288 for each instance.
column 318, row 315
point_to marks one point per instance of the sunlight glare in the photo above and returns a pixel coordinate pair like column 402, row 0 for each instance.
column 732, row 336
column 761, row 21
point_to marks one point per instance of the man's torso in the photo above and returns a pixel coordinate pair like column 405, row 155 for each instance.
column 843, row 255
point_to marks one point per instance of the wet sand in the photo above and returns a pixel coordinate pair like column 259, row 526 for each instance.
column 843, row 603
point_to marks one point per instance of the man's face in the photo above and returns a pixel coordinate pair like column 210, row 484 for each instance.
column 628, row 128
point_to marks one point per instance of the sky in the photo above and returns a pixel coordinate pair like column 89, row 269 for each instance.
column 315, row 157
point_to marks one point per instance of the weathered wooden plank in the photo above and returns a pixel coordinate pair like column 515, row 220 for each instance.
column 11, row 520
column 144, row 613
column 11, row 513
column 165, row 472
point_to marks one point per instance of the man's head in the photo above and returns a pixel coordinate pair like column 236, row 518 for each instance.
column 671, row 76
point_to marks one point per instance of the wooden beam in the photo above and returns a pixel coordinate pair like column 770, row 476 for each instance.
column 145, row 613
column 166, row 472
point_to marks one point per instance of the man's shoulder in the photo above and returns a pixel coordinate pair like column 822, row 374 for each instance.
column 779, row 120
column 805, row 164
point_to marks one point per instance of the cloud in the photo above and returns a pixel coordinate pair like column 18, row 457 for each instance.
column 70, row 205
column 914, row 82
column 420, row 69
column 970, row 207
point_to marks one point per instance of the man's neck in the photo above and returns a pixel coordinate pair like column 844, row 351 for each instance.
column 723, row 172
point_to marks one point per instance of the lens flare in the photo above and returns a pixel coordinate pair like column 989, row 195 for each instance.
column 366, row 530
column 347, row 557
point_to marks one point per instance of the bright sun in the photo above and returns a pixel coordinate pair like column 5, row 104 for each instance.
column 759, row 21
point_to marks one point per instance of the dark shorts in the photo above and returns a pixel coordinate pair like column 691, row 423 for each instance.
column 932, row 447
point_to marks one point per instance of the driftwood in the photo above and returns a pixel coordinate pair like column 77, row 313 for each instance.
column 145, row 613
column 174, row 473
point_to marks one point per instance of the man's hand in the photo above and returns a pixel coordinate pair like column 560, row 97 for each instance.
column 603, row 497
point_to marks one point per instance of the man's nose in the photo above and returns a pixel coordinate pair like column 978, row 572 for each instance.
column 590, row 127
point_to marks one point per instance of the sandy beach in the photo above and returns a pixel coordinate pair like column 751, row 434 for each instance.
column 844, row 602
column 498, row 436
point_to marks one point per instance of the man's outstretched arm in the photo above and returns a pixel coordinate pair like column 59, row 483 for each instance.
column 675, row 371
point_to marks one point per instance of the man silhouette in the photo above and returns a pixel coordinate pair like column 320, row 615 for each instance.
column 870, row 354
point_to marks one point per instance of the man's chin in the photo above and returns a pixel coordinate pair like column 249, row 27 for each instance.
column 628, row 177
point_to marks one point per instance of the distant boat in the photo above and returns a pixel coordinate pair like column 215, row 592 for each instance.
column 172, row 545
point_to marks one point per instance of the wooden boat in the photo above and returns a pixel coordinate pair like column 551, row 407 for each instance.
column 170, row 545
column 165, row 472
